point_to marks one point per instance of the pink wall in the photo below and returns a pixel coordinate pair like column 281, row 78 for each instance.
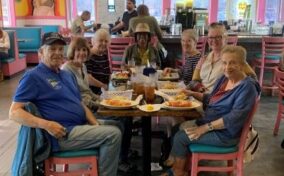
column 166, row 4
column 260, row 15
column 213, row 11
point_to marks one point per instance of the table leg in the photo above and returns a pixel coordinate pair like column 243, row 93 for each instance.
column 146, row 140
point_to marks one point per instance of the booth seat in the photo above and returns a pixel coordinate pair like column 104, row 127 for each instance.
column 47, row 28
column 16, row 61
column 29, row 41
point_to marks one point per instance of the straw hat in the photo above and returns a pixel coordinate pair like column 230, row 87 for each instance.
column 142, row 28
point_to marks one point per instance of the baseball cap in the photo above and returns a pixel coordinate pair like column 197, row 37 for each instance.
column 52, row 37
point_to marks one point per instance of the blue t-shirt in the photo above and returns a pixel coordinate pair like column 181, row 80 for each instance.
column 56, row 96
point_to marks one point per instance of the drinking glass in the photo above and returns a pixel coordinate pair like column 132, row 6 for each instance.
column 131, row 63
column 149, row 89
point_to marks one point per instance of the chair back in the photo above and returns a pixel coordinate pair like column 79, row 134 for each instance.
column 232, row 40
column 116, row 50
column 201, row 44
column 272, row 46
column 13, row 51
column 246, row 128
column 280, row 82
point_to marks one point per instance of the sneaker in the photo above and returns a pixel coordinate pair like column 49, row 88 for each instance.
column 126, row 167
column 156, row 167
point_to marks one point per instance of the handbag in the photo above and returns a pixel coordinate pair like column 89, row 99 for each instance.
column 251, row 145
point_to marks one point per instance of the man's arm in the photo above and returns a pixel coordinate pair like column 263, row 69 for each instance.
column 90, row 116
column 118, row 27
column 18, row 114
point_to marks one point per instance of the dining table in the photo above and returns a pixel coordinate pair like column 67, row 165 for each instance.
column 146, row 126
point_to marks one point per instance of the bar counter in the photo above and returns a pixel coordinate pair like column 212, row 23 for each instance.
column 251, row 42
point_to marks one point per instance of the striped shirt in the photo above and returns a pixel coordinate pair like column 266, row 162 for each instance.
column 187, row 69
column 98, row 67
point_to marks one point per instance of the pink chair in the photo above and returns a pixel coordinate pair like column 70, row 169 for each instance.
column 116, row 49
column 232, row 40
column 269, row 59
column 200, row 46
column 72, row 157
column 233, row 155
column 280, row 83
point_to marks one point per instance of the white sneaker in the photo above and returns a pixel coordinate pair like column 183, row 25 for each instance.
column 156, row 167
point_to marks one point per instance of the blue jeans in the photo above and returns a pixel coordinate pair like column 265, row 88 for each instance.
column 181, row 142
column 107, row 139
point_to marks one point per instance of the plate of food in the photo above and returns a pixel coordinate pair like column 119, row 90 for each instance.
column 181, row 104
column 150, row 107
column 118, row 104
column 123, row 75
column 167, row 76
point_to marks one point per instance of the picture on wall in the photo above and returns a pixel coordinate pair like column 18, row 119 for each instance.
column 40, row 8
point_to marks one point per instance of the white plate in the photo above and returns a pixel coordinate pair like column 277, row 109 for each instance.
column 195, row 104
column 133, row 103
column 156, row 107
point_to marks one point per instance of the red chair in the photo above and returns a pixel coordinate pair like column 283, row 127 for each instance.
column 269, row 59
column 232, row 40
column 116, row 49
column 72, row 157
column 280, row 83
column 233, row 155
column 200, row 46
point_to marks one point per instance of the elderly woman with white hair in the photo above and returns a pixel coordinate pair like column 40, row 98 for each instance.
column 98, row 63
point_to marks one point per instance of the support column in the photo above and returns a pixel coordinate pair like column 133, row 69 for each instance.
column 213, row 11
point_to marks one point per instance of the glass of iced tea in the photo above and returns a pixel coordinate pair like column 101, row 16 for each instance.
column 149, row 89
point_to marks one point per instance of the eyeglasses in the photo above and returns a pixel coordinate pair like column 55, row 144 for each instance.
column 216, row 38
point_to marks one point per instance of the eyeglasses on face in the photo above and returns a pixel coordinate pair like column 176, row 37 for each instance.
column 216, row 38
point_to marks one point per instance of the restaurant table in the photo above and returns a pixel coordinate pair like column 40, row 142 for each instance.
column 146, row 126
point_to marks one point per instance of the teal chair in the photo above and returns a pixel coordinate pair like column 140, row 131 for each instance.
column 234, row 155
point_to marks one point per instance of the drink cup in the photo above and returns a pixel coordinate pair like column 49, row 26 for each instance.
column 149, row 89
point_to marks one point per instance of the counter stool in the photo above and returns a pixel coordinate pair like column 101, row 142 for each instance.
column 72, row 157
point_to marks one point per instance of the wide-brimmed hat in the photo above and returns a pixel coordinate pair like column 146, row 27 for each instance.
column 142, row 28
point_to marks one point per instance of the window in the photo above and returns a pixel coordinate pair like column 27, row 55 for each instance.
column 83, row 5
column 236, row 9
column 222, row 10
column 6, row 13
column 271, row 11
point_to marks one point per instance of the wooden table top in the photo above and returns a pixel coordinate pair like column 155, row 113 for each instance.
column 190, row 114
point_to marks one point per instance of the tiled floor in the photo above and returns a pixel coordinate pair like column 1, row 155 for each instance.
column 268, row 162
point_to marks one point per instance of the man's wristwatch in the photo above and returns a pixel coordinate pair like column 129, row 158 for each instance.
column 210, row 126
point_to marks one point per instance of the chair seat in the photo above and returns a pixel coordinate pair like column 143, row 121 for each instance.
column 116, row 58
column 259, row 56
column 76, row 153
column 201, row 148
column 22, row 55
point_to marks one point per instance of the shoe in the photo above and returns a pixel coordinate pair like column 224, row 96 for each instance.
column 133, row 154
column 126, row 167
column 156, row 167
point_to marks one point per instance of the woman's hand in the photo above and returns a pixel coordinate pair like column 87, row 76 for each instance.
column 104, row 86
column 187, row 92
column 166, row 71
column 194, row 133
column 55, row 129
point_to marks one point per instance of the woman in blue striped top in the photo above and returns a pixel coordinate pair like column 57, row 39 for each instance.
column 189, row 40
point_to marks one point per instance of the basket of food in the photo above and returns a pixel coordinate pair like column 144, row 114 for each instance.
column 127, row 95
